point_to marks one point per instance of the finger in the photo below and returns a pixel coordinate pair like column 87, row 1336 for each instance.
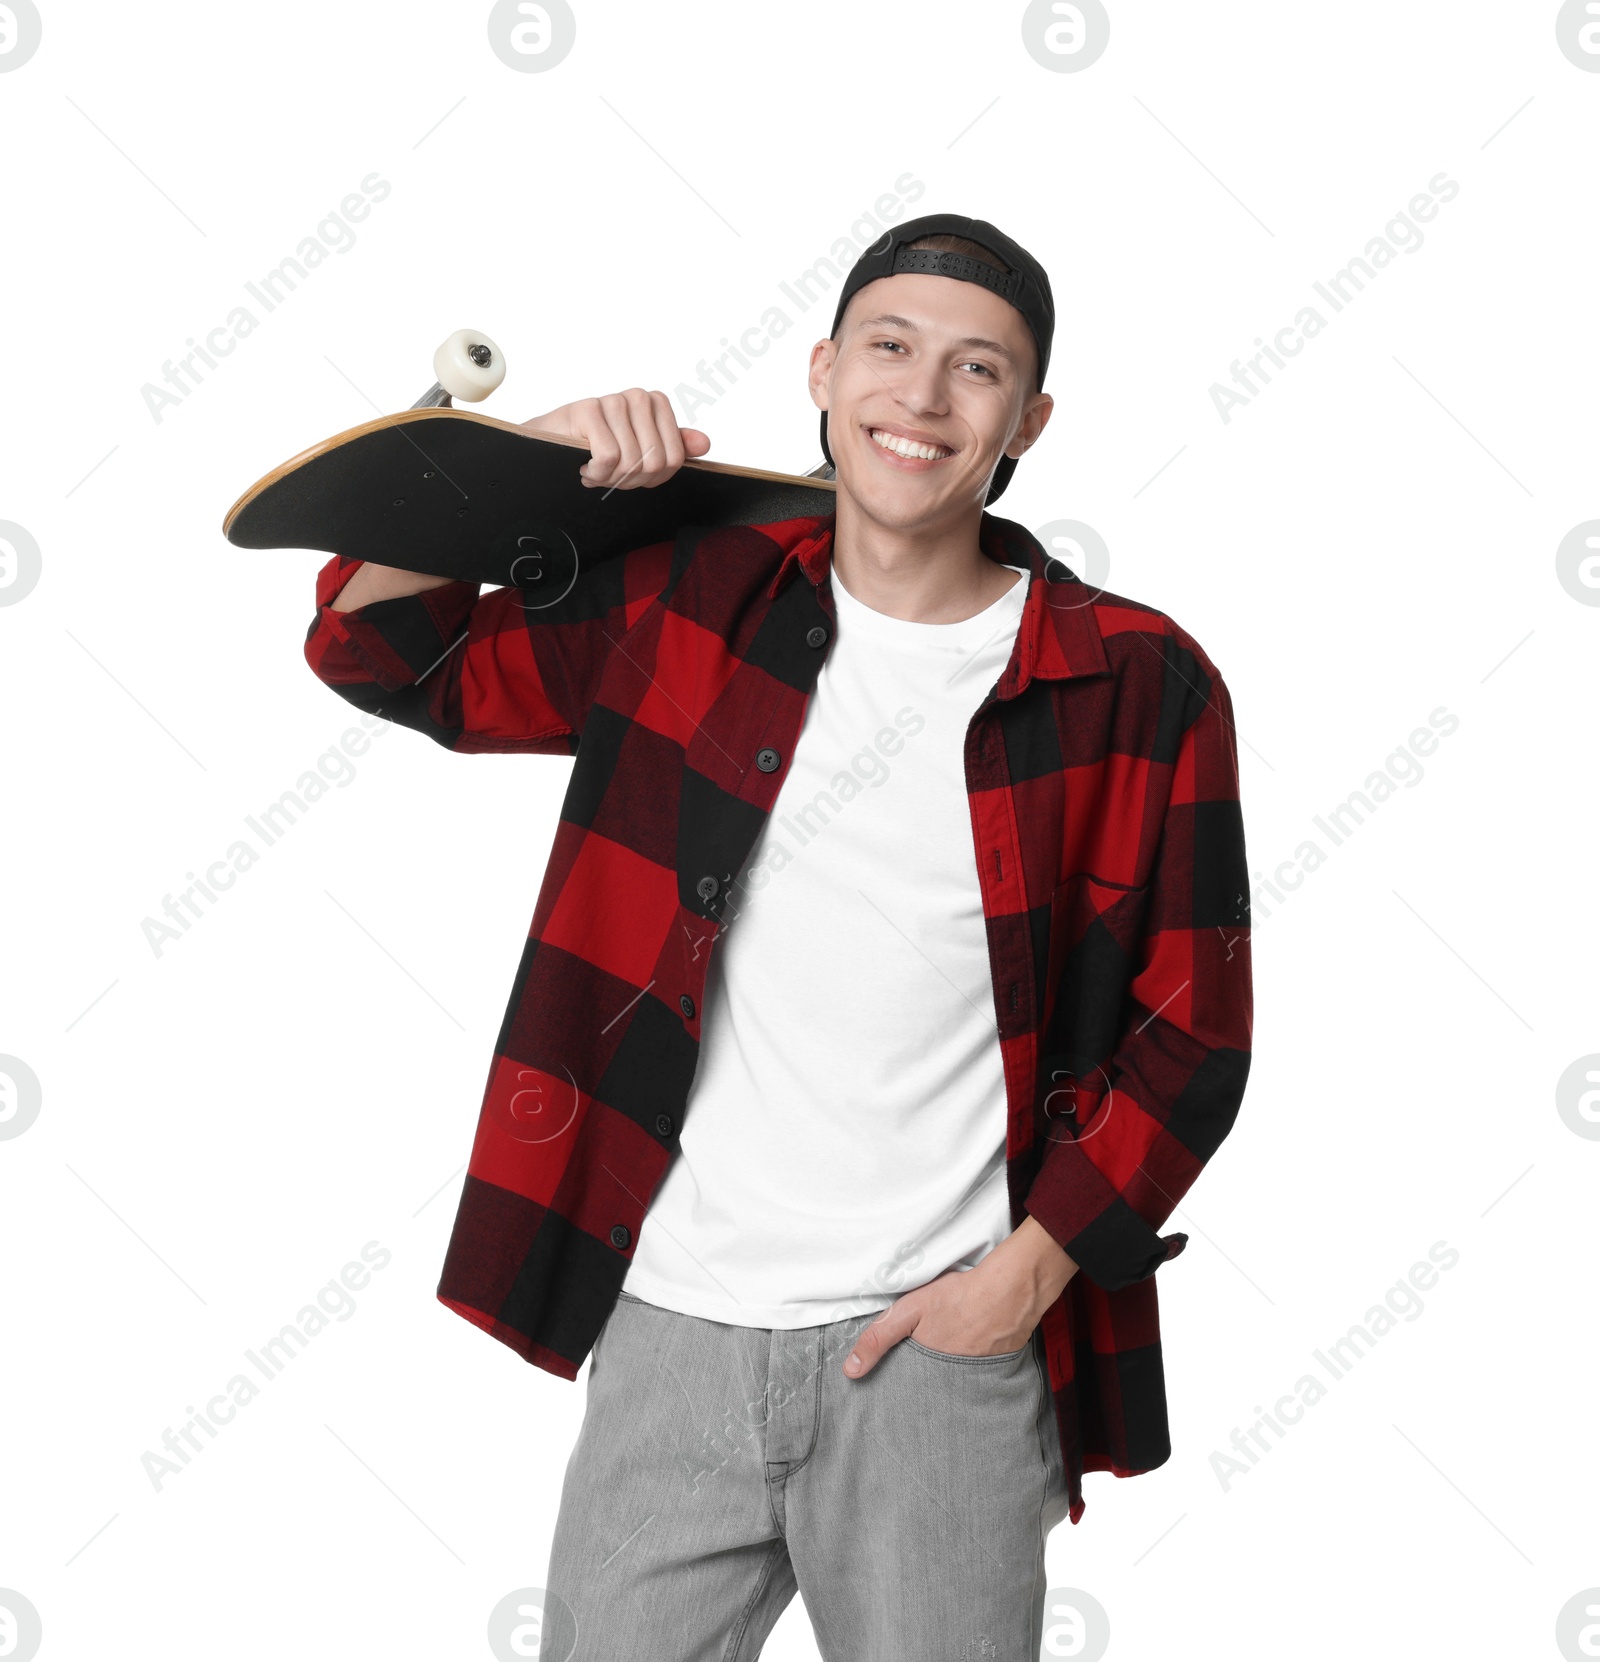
column 653, row 466
column 590, row 424
column 614, row 408
column 695, row 442
column 619, row 418
column 877, row 1339
column 666, row 426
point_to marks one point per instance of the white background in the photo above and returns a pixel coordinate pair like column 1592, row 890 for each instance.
column 226, row 1123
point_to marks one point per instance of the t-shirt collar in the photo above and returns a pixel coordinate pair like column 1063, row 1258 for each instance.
column 1059, row 635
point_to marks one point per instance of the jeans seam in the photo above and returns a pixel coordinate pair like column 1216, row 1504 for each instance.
column 735, row 1645
column 792, row 1466
column 949, row 1356
column 1045, row 1426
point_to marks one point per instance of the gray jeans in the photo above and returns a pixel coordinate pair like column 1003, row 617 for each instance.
column 720, row 1468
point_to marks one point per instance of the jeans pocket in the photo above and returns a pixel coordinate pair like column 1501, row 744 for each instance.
column 951, row 1356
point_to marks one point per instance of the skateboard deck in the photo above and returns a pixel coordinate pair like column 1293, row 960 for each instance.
column 455, row 494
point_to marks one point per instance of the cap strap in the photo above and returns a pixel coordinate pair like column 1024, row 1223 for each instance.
column 941, row 262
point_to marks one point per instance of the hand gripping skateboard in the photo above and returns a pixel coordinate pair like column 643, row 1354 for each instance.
column 455, row 494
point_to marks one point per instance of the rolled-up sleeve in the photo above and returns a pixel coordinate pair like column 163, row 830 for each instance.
column 482, row 673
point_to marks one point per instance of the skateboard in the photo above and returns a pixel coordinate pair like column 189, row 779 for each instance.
column 455, row 494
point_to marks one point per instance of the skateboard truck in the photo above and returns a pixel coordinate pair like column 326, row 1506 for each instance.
column 468, row 366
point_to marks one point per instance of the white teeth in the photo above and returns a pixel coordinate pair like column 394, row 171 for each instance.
column 905, row 447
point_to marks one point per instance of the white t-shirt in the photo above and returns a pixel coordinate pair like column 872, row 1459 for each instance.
column 844, row 1136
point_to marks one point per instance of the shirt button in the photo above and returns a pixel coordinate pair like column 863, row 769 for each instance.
column 663, row 1125
column 620, row 1236
column 767, row 759
column 706, row 887
column 686, row 1004
column 816, row 636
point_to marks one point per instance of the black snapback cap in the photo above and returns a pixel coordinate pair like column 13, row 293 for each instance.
column 1025, row 285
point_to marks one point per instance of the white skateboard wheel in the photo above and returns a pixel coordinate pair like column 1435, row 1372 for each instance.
column 469, row 365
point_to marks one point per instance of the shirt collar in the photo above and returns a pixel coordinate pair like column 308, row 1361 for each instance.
column 1059, row 635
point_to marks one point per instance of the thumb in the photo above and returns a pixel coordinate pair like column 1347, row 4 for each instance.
column 695, row 443
column 878, row 1337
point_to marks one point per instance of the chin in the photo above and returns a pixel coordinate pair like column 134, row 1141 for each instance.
column 902, row 502
column 889, row 501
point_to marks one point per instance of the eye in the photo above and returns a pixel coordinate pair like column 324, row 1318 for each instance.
column 893, row 343
column 972, row 363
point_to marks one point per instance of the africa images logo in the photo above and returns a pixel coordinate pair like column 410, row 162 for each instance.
column 20, row 563
column 1065, row 36
column 20, row 33
column 1578, row 36
column 531, row 36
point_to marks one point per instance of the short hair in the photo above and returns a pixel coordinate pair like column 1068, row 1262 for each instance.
column 948, row 242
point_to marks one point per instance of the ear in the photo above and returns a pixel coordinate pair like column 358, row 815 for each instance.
column 820, row 372
column 1034, row 416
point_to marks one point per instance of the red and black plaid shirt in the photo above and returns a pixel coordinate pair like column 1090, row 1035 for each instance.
column 1102, row 774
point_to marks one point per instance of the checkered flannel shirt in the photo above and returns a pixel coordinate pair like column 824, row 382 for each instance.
column 1102, row 775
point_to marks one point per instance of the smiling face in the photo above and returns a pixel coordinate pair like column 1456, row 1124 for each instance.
column 928, row 383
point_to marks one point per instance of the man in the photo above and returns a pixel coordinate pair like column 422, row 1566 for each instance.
column 888, row 987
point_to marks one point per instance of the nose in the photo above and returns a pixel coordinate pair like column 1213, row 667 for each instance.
column 924, row 390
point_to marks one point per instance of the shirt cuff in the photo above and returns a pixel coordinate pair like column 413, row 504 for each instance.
column 1095, row 1226
column 397, row 641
